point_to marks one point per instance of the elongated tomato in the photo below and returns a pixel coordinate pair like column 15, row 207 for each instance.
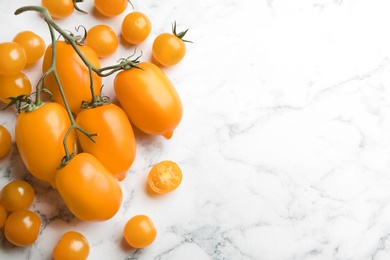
column 89, row 190
column 39, row 138
column 149, row 99
column 73, row 75
column 115, row 145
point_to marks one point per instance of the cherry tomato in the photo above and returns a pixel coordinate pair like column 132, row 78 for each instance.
column 102, row 39
column 59, row 8
column 12, row 58
column 73, row 75
column 33, row 45
column 111, row 8
column 39, row 137
column 89, row 190
column 136, row 27
column 164, row 177
column 139, row 231
column 13, row 86
column 16, row 195
column 22, row 227
column 5, row 141
column 3, row 215
column 149, row 99
column 73, row 245
column 169, row 48
column 115, row 142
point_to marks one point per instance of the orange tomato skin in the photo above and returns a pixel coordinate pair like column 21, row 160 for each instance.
column 13, row 86
column 149, row 99
column 115, row 145
column 59, row 8
column 73, row 75
column 102, row 39
column 33, row 45
column 39, row 138
column 111, row 8
column 136, row 27
column 65, row 248
column 139, row 231
column 22, row 227
column 12, row 58
column 5, row 141
column 89, row 190
column 168, row 50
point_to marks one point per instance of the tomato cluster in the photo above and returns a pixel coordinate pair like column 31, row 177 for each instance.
column 71, row 136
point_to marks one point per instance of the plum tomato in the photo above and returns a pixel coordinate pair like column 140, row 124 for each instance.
column 102, row 39
column 89, row 190
column 164, row 177
column 169, row 48
column 59, row 8
column 136, row 27
column 72, row 245
column 73, row 75
column 5, row 141
column 139, row 231
column 12, row 58
column 13, row 86
column 22, row 227
column 16, row 195
column 149, row 99
column 111, row 8
column 115, row 144
column 39, row 136
column 33, row 45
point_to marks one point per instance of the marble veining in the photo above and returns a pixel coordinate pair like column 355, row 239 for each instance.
column 284, row 142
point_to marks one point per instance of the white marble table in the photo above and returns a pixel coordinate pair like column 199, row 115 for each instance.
column 284, row 143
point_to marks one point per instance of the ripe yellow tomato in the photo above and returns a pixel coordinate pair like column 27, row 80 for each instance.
column 3, row 216
column 72, row 245
column 59, row 8
column 73, row 75
column 102, row 39
column 5, row 141
column 33, row 45
column 139, row 231
column 89, row 190
column 115, row 145
column 13, row 86
column 111, row 8
column 39, row 138
column 168, row 49
column 22, row 227
column 164, row 177
column 12, row 58
column 16, row 195
column 149, row 99
column 136, row 27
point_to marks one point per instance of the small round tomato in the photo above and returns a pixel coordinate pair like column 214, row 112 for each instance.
column 139, row 231
column 13, row 86
column 102, row 39
column 89, row 190
column 3, row 215
column 115, row 142
column 73, row 245
column 33, row 45
column 39, row 136
column 164, row 177
column 149, row 99
column 16, row 195
column 136, row 27
column 59, row 8
column 111, row 8
column 73, row 74
column 169, row 48
column 12, row 58
column 22, row 227
column 5, row 141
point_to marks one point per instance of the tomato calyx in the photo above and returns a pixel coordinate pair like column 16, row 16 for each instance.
column 98, row 101
column 179, row 35
column 26, row 102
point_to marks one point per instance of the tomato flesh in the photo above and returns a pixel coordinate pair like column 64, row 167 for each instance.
column 164, row 177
